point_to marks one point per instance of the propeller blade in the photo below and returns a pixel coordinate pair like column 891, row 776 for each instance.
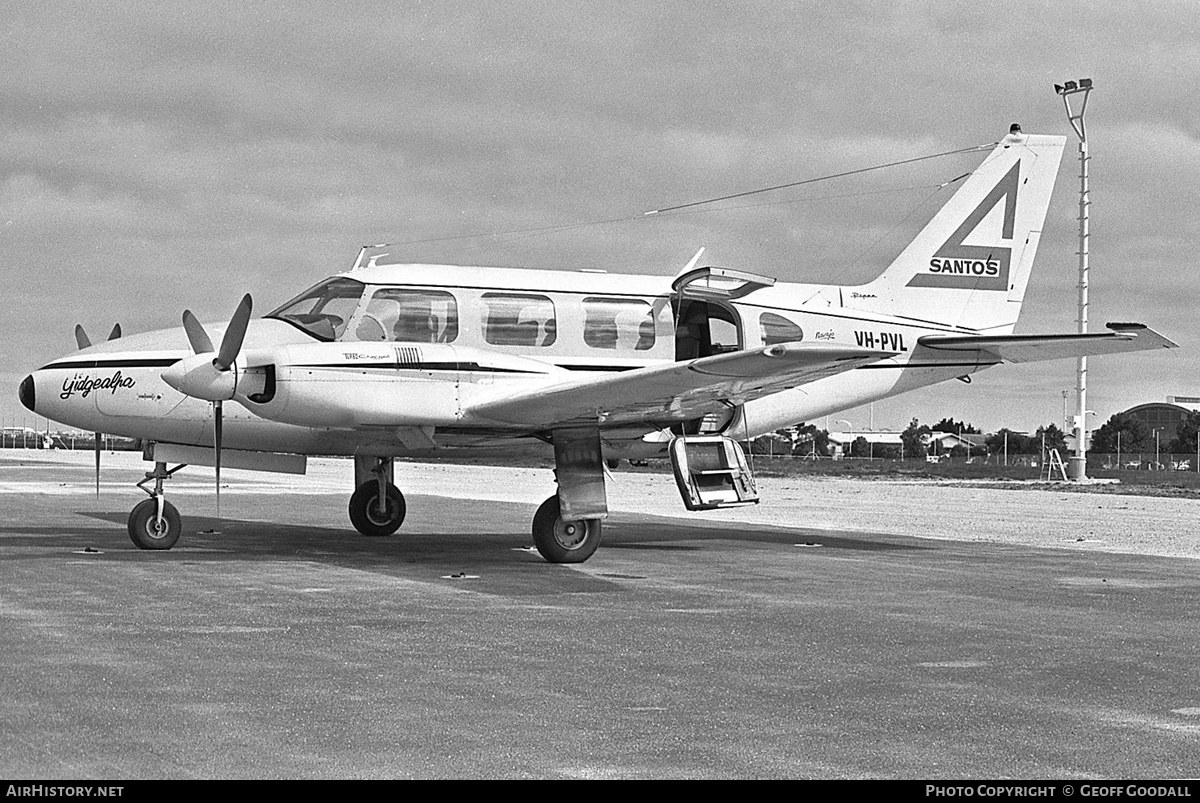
column 99, row 440
column 217, row 421
column 81, row 338
column 116, row 332
column 196, row 334
column 235, row 333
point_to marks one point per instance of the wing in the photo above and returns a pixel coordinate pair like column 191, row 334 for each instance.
column 673, row 392
column 1122, row 337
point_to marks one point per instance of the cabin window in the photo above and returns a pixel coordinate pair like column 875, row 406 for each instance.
column 618, row 323
column 511, row 319
column 324, row 310
column 409, row 316
column 778, row 329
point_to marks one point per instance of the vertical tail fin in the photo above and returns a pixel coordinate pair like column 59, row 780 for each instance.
column 970, row 265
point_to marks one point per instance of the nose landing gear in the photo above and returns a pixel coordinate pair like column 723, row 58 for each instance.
column 154, row 522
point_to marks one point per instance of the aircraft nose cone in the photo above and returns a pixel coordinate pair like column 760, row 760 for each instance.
column 26, row 394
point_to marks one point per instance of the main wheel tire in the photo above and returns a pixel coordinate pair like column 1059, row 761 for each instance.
column 562, row 541
column 365, row 514
column 147, row 532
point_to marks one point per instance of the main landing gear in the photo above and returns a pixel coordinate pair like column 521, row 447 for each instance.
column 377, row 507
column 561, row 540
column 154, row 522
column 566, row 528
column 568, row 525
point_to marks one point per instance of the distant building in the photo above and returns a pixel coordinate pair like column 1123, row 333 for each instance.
column 1163, row 416
column 972, row 441
column 945, row 441
column 841, row 440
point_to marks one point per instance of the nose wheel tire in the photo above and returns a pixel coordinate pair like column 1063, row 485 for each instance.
column 369, row 518
column 147, row 531
column 562, row 541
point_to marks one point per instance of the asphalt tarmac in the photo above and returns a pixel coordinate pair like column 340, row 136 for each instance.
column 275, row 642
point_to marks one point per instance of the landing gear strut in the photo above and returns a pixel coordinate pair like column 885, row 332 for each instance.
column 154, row 522
column 567, row 527
column 377, row 507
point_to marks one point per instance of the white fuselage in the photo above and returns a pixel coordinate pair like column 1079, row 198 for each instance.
column 352, row 370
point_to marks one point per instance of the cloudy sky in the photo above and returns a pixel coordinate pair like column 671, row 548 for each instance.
column 156, row 156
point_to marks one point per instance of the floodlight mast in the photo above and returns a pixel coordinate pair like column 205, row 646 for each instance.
column 1077, row 468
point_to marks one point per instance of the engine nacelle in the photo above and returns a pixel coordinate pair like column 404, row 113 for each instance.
column 197, row 376
column 342, row 385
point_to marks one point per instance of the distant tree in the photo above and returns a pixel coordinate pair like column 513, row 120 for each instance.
column 997, row 442
column 957, row 427
column 771, row 444
column 887, row 451
column 913, row 438
column 1054, row 439
column 1017, row 443
column 1185, row 440
column 1134, row 435
column 860, row 448
column 811, row 440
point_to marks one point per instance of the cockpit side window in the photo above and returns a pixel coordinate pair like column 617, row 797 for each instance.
column 511, row 319
column 412, row 316
column 324, row 310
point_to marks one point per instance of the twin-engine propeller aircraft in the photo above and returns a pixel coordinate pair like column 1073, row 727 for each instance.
column 392, row 360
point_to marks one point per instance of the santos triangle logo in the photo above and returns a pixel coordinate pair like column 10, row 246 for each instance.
column 976, row 267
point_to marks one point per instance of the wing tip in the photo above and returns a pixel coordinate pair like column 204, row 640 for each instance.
column 1135, row 329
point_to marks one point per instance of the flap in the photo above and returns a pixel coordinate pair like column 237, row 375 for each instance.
column 664, row 394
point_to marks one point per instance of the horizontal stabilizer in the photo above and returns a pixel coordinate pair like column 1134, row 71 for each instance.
column 1120, row 338
column 674, row 392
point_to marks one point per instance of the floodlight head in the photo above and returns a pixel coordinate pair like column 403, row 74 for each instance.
column 1081, row 88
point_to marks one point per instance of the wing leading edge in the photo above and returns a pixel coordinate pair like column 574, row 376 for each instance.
column 675, row 391
column 1121, row 337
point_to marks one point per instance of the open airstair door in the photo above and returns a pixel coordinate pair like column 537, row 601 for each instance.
column 711, row 472
column 717, row 284
column 705, row 322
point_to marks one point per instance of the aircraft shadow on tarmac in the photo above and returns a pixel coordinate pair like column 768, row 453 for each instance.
column 489, row 547
column 36, row 536
column 443, row 541
column 498, row 526
column 631, row 534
